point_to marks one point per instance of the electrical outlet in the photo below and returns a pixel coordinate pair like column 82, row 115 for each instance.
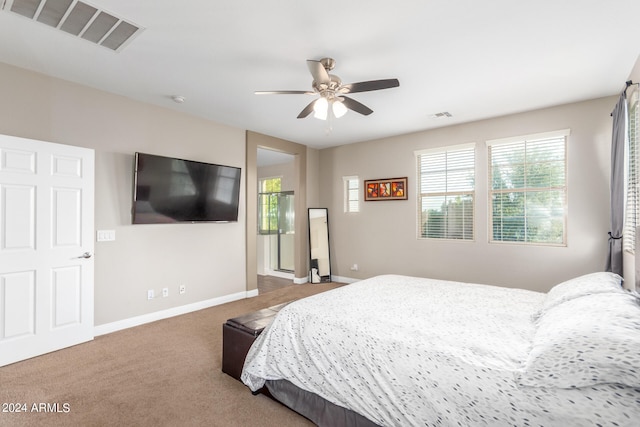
column 150, row 294
column 165, row 292
column 183, row 289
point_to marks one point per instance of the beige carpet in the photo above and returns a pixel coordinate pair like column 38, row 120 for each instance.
column 166, row 373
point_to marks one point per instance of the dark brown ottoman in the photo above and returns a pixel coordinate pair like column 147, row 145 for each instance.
column 239, row 333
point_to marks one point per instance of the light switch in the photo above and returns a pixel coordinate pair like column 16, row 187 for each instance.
column 106, row 235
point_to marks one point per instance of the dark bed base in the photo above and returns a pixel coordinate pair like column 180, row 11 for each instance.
column 313, row 407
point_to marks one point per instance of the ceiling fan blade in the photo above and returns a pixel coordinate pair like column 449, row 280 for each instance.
column 369, row 86
column 356, row 106
column 307, row 110
column 284, row 92
column 318, row 72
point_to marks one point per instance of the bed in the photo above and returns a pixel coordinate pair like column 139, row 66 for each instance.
column 406, row 351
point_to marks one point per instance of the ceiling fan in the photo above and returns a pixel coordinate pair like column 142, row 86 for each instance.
column 332, row 92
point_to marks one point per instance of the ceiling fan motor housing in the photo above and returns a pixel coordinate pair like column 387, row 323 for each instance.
column 328, row 89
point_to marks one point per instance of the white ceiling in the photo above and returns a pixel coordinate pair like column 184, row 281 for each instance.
column 474, row 59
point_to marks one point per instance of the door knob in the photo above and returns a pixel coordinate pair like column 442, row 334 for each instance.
column 86, row 255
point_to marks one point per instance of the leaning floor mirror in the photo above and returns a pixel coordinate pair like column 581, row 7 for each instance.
column 320, row 263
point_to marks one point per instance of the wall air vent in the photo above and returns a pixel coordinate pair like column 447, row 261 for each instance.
column 79, row 19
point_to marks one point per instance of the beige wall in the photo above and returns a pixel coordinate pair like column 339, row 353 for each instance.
column 313, row 178
column 216, row 260
column 382, row 237
column 209, row 259
column 284, row 170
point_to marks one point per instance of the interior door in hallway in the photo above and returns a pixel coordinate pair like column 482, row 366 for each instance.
column 46, row 247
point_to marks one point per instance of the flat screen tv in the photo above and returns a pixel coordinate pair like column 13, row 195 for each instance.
column 169, row 190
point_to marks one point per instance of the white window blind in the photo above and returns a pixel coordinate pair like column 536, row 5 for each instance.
column 446, row 192
column 351, row 193
column 632, row 210
column 527, row 189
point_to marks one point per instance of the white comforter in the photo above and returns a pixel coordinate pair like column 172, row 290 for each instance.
column 405, row 351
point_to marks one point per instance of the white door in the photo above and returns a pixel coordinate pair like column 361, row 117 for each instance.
column 46, row 247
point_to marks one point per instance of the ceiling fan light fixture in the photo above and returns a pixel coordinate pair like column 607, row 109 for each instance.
column 321, row 108
column 332, row 102
column 339, row 109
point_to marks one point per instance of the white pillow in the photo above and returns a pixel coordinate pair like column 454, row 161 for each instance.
column 586, row 341
column 589, row 284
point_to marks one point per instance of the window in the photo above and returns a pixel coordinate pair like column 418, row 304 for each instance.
column 351, row 193
column 632, row 211
column 268, row 189
column 446, row 192
column 527, row 189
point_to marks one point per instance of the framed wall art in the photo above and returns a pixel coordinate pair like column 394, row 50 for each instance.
column 385, row 189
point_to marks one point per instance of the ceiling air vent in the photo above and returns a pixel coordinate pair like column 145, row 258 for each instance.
column 442, row 115
column 79, row 19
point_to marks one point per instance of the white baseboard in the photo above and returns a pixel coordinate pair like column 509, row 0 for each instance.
column 171, row 312
column 280, row 274
column 283, row 275
column 341, row 279
column 108, row 328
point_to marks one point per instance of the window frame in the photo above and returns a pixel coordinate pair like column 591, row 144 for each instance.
column 446, row 150
column 268, row 194
column 564, row 134
column 346, row 189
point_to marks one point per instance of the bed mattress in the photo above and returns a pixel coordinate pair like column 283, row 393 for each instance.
column 406, row 351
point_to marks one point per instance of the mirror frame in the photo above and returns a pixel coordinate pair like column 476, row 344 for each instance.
column 316, row 278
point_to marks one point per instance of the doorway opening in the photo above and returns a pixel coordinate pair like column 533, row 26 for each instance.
column 276, row 217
